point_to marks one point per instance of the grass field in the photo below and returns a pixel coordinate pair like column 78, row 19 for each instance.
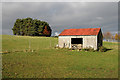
column 44, row 61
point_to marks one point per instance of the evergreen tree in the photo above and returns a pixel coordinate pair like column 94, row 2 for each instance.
column 31, row 27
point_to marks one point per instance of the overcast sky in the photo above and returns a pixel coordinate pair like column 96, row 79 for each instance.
column 63, row 15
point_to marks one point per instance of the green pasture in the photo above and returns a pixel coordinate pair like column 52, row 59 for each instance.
column 36, row 57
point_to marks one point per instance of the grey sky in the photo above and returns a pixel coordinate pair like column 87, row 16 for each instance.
column 63, row 15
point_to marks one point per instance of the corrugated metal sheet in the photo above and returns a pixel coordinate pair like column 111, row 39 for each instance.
column 82, row 31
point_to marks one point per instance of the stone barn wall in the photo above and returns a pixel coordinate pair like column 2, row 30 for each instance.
column 88, row 41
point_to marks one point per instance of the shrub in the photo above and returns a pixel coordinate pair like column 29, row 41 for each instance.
column 88, row 49
column 102, row 49
column 83, row 49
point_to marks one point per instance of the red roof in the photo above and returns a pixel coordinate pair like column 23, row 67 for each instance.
column 82, row 31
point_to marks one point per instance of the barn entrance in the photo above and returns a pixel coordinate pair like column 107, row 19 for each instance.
column 76, row 43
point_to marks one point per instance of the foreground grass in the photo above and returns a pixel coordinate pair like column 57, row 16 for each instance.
column 48, row 62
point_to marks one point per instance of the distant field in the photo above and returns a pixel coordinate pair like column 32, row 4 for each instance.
column 44, row 61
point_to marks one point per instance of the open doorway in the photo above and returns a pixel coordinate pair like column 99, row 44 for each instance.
column 76, row 43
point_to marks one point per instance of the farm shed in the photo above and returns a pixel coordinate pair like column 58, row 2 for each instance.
column 81, row 38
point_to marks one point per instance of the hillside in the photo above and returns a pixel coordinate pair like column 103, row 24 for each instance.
column 42, row 60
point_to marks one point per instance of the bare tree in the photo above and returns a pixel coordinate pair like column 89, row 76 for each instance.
column 107, row 36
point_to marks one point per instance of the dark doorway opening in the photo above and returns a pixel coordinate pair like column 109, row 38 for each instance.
column 77, row 41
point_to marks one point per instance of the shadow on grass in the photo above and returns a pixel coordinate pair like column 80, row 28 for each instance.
column 108, row 49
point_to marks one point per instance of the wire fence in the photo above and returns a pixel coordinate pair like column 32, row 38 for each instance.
column 22, row 43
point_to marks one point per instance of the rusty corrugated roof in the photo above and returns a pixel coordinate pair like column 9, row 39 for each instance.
column 82, row 31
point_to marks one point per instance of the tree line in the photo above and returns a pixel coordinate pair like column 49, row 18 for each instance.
column 31, row 27
column 108, row 36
